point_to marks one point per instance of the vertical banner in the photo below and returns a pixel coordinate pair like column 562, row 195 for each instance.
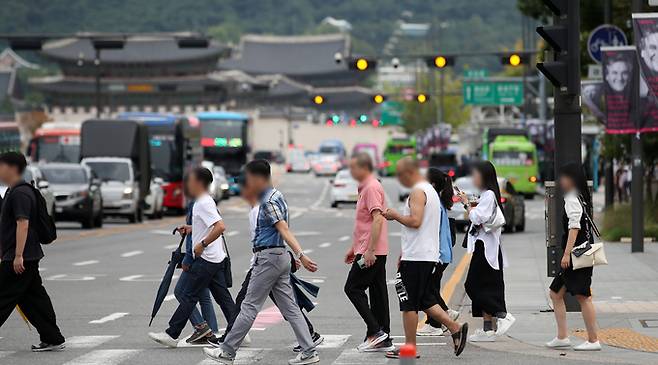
column 619, row 63
column 645, row 30
column 593, row 97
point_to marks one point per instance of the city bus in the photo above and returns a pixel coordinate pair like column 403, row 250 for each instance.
column 10, row 137
column 224, row 138
column 515, row 158
column 174, row 143
column 397, row 148
column 56, row 142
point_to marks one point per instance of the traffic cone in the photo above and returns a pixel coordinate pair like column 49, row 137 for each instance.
column 408, row 355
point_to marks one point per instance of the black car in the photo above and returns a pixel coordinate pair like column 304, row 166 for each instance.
column 77, row 193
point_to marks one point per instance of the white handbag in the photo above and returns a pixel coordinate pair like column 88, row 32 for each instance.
column 496, row 221
column 595, row 254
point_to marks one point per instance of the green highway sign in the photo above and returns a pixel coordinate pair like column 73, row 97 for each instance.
column 476, row 74
column 493, row 92
column 391, row 113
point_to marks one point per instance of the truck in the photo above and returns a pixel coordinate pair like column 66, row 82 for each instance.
column 118, row 153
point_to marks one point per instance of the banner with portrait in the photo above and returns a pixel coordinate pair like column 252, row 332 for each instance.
column 645, row 29
column 593, row 97
column 619, row 63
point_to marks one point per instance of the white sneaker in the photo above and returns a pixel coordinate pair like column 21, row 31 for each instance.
column 428, row 330
column 372, row 341
column 164, row 339
column 302, row 359
column 557, row 343
column 246, row 341
column 504, row 324
column 482, row 336
column 588, row 346
column 218, row 355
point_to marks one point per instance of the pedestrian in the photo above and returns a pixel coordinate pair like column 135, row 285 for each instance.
column 204, row 323
column 367, row 257
column 442, row 183
column 20, row 245
column 416, row 278
column 271, row 270
column 577, row 230
column 208, row 270
column 484, row 282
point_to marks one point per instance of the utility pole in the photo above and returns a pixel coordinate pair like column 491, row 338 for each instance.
column 564, row 73
column 637, row 199
column 609, row 162
column 97, row 81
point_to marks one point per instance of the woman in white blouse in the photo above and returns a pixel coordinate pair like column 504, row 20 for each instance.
column 576, row 282
column 484, row 282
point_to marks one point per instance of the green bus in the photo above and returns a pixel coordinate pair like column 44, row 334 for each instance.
column 397, row 148
column 515, row 158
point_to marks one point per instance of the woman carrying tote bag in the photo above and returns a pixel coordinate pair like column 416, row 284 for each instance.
column 576, row 282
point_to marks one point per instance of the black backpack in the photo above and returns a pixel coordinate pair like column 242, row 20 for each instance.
column 41, row 221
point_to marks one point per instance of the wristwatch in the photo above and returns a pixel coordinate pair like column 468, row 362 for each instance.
column 203, row 243
column 298, row 256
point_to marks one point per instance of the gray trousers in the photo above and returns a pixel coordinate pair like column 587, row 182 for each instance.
column 271, row 273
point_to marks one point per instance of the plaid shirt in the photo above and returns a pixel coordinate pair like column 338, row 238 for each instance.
column 273, row 208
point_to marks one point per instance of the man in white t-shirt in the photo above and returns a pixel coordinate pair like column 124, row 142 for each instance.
column 208, row 269
column 415, row 282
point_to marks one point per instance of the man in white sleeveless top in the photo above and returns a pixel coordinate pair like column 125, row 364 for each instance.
column 415, row 282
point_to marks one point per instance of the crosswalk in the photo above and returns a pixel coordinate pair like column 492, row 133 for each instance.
column 102, row 350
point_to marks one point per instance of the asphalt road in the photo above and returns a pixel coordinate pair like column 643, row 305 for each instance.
column 102, row 283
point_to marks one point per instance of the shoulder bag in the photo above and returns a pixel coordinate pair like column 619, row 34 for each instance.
column 588, row 253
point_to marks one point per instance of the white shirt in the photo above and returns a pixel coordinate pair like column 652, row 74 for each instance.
column 479, row 215
column 422, row 243
column 573, row 209
column 253, row 219
column 204, row 216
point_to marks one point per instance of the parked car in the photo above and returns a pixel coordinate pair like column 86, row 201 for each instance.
column 297, row 161
column 34, row 176
column 77, row 193
column 120, row 186
column 327, row 164
column 344, row 189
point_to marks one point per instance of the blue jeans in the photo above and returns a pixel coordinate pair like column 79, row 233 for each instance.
column 203, row 275
column 207, row 310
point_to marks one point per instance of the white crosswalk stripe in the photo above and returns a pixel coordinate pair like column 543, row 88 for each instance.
column 109, row 318
column 103, row 357
column 6, row 353
column 354, row 357
column 242, row 357
column 333, row 341
column 87, row 342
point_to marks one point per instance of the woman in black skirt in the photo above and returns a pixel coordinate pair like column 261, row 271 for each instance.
column 484, row 282
column 576, row 282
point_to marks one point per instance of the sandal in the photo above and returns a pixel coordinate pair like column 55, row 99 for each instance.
column 395, row 354
column 459, row 339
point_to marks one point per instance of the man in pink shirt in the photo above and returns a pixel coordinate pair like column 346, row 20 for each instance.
column 368, row 257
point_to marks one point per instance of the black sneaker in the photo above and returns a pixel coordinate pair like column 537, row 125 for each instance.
column 43, row 347
column 215, row 341
column 384, row 346
column 200, row 333
column 317, row 340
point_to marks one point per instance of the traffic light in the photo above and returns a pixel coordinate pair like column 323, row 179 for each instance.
column 422, row 98
column 563, row 71
column 440, row 61
column 318, row 99
column 514, row 59
column 378, row 98
column 363, row 118
column 362, row 64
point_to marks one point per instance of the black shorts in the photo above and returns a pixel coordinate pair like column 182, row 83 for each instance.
column 415, row 285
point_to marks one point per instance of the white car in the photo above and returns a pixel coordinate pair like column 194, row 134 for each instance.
column 154, row 202
column 34, row 176
column 344, row 189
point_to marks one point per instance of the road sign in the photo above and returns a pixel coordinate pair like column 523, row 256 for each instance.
column 391, row 113
column 477, row 74
column 603, row 36
column 493, row 93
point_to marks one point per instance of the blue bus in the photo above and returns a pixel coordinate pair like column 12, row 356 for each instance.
column 175, row 147
column 225, row 140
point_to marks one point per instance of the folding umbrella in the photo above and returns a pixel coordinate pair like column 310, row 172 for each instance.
column 27, row 322
column 175, row 261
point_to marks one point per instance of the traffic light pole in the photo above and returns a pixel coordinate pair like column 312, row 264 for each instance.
column 442, row 109
column 637, row 182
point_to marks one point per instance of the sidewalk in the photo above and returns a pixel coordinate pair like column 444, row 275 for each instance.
column 625, row 294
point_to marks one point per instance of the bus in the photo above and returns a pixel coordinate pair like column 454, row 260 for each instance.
column 56, row 142
column 10, row 137
column 397, row 148
column 515, row 159
column 224, row 138
column 175, row 147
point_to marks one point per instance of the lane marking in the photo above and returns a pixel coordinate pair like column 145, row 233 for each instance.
column 103, row 357
column 232, row 233
column 108, row 318
column 324, row 245
column 354, row 357
column 333, row 341
column 320, row 199
column 146, row 278
column 242, row 357
column 162, row 232
column 85, row 263
column 308, row 251
column 169, row 298
column 86, row 342
column 130, row 277
column 296, row 214
column 72, row 277
column 132, row 253
column 170, row 247
column 306, row 233
column 344, row 238
column 268, row 317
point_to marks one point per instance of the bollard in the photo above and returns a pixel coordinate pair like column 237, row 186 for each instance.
column 408, row 355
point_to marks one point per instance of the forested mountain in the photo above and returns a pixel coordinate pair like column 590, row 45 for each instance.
column 467, row 24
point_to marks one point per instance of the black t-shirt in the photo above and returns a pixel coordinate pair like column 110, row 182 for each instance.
column 19, row 202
